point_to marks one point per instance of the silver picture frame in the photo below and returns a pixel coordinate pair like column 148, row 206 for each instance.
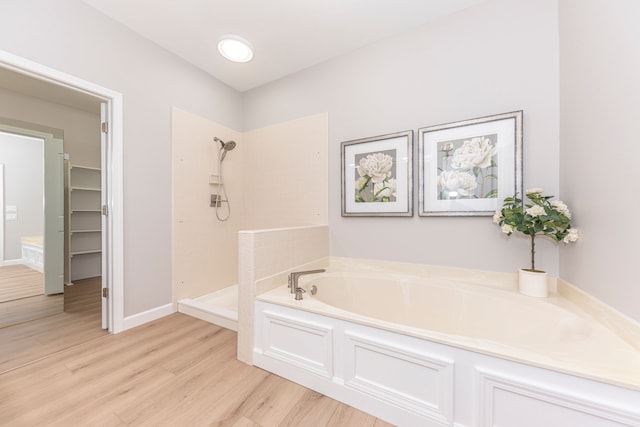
column 377, row 175
column 467, row 168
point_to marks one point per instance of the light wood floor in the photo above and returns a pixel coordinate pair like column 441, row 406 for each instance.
column 27, row 309
column 19, row 281
column 176, row 371
column 22, row 298
column 80, row 322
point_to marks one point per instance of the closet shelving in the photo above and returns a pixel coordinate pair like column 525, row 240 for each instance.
column 85, row 223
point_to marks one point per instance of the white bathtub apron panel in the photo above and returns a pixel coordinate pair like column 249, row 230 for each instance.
column 411, row 381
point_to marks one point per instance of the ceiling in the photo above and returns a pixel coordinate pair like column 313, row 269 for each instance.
column 287, row 35
column 16, row 81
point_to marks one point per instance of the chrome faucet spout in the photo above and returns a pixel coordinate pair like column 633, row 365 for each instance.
column 294, row 276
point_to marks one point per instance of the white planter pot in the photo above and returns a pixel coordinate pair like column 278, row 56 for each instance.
column 533, row 283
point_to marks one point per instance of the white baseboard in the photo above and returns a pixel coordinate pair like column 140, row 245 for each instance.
column 148, row 316
column 11, row 262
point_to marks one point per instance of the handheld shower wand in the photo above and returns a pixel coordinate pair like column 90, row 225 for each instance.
column 221, row 195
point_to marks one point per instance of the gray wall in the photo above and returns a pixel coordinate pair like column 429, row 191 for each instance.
column 23, row 160
column 72, row 37
column 499, row 56
column 81, row 128
column 600, row 128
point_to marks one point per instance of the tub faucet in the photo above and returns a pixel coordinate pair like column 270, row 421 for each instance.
column 293, row 281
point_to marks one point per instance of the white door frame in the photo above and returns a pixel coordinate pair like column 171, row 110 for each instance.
column 115, row 184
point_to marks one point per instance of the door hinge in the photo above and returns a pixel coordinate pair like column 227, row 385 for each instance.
column 105, row 211
column 105, row 292
column 105, row 127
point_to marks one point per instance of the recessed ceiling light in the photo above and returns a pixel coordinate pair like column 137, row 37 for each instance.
column 235, row 48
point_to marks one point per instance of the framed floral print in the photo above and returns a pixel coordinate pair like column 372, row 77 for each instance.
column 469, row 167
column 377, row 176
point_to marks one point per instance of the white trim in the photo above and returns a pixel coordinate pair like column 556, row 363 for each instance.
column 12, row 262
column 148, row 316
column 115, row 233
column 360, row 347
column 488, row 383
column 115, row 199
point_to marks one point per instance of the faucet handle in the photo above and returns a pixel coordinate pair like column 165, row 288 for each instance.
column 299, row 292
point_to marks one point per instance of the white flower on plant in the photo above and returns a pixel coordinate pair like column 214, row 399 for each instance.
column 572, row 236
column 385, row 188
column 461, row 182
column 476, row 152
column 535, row 190
column 535, row 210
column 561, row 208
column 536, row 222
column 506, row 228
column 497, row 217
column 377, row 166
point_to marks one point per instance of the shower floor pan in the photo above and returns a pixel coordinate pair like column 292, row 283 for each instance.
column 219, row 308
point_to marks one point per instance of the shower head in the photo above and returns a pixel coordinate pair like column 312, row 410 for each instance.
column 226, row 146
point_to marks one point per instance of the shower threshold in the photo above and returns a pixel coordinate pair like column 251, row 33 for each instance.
column 219, row 308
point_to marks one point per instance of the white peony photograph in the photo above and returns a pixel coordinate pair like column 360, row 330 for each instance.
column 467, row 168
column 376, row 175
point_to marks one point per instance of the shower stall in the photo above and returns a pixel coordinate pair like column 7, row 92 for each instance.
column 221, row 306
column 225, row 182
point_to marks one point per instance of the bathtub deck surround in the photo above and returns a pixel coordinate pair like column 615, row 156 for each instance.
column 266, row 257
column 625, row 327
column 418, row 338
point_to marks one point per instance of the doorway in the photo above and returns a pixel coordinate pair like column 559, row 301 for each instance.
column 64, row 89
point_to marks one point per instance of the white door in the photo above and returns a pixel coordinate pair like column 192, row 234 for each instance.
column 53, row 216
column 104, row 139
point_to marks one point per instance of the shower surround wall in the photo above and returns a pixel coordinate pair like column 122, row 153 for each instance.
column 286, row 174
column 275, row 177
column 203, row 247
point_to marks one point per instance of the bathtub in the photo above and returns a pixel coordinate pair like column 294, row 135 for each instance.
column 444, row 352
column 33, row 252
